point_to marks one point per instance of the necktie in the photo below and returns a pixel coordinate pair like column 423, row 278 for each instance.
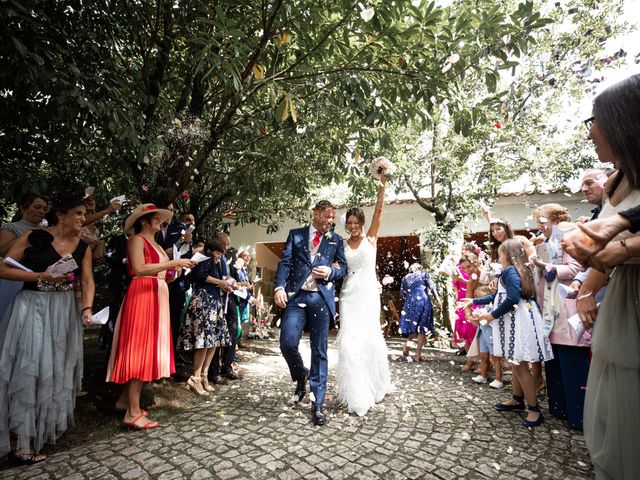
column 316, row 239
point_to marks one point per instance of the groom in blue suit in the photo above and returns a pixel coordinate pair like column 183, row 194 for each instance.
column 305, row 290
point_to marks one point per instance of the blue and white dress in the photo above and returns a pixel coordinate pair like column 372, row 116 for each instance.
column 517, row 328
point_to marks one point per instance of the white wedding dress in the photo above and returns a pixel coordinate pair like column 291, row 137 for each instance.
column 363, row 368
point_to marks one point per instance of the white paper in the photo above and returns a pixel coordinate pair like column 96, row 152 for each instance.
column 198, row 257
column 62, row 266
column 119, row 198
column 577, row 325
column 242, row 293
column 101, row 317
column 565, row 291
column 184, row 248
column 16, row 264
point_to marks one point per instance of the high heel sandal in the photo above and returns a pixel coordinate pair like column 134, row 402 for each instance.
column 134, row 426
column 512, row 407
column 205, row 384
column 196, row 385
column 534, row 423
column 30, row 458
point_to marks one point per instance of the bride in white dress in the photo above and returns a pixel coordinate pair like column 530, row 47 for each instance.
column 363, row 368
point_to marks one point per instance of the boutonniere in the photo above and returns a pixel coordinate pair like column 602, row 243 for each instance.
column 328, row 235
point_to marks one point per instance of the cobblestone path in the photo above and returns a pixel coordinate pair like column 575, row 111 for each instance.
column 437, row 425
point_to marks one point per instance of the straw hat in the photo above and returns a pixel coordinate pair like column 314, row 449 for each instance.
column 145, row 209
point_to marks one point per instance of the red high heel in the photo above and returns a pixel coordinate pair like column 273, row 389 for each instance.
column 134, row 426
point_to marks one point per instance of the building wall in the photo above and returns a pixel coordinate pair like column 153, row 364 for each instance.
column 405, row 218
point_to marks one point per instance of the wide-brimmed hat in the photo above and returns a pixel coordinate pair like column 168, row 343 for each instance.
column 145, row 209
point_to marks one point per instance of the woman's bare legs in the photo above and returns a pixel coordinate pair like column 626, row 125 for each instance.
column 132, row 391
column 205, row 368
column 422, row 339
column 405, row 348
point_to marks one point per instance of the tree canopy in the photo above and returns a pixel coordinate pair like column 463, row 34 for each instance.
column 247, row 105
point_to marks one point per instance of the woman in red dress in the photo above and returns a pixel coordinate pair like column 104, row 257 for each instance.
column 142, row 348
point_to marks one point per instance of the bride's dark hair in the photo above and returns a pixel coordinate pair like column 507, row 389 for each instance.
column 355, row 212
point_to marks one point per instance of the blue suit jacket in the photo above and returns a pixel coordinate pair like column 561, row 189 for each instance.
column 296, row 264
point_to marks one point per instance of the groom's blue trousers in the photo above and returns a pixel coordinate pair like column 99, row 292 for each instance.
column 307, row 308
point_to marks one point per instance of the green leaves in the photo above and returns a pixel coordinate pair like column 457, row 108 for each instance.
column 260, row 88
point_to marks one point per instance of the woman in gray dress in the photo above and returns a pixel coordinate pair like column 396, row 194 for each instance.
column 41, row 334
column 611, row 419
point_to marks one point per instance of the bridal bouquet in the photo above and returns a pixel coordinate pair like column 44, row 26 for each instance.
column 382, row 165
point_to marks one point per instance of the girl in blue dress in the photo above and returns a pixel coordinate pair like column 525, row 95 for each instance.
column 517, row 327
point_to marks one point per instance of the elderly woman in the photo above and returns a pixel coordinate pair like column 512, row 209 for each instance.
column 567, row 372
column 611, row 420
column 142, row 350
column 204, row 328
column 33, row 208
column 41, row 334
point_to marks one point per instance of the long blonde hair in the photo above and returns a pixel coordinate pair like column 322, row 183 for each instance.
column 517, row 257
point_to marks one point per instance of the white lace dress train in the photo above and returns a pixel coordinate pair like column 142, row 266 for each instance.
column 363, row 368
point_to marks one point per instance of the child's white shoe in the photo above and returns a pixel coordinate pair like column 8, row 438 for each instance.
column 479, row 379
column 496, row 384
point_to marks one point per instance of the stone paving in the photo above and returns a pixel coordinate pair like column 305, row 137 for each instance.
column 437, row 425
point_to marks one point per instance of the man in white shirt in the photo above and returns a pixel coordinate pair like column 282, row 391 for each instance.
column 305, row 290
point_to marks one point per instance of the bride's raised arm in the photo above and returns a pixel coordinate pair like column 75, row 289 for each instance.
column 374, row 229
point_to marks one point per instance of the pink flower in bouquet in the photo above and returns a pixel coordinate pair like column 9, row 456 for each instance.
column 184, row 195
column 71, row 277
column 381, row 165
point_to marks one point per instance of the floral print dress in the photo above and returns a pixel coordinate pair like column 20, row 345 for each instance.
column 204, row 325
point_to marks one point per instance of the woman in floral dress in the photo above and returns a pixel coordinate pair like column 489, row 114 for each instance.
column 204, row 328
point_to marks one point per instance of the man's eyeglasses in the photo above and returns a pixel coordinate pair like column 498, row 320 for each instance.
column 588, row 122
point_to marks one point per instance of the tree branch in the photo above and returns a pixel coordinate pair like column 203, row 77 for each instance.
column 428, row 206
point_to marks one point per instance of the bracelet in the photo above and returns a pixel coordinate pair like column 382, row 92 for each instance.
column 624, row 244
column 86, row 308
